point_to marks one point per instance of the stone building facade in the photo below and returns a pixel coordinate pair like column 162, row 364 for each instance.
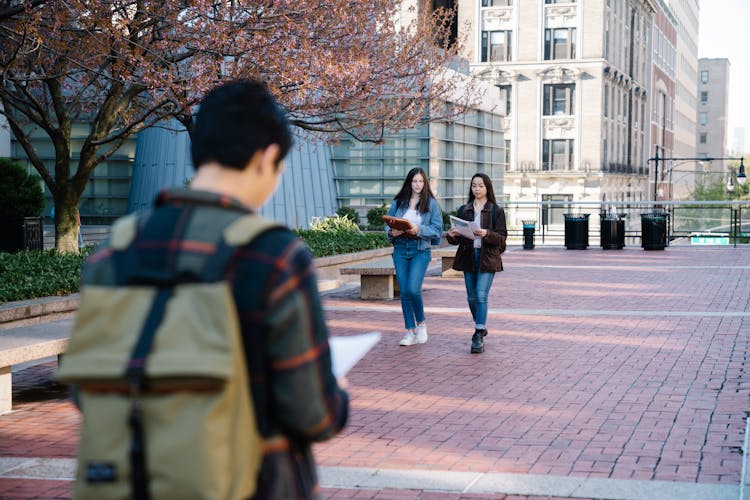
column 575, row 77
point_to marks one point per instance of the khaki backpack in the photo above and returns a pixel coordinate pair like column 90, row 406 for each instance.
column 162, row 383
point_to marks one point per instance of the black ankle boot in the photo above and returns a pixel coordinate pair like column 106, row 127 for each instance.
column 477, row 342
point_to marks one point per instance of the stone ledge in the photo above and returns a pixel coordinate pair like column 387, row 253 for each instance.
column 29, row 312
column 346, row 258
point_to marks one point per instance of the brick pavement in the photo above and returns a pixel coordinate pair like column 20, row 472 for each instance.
column 610, row 369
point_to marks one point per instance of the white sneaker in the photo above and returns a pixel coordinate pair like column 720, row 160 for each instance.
column 421, row 335
column 409, row 338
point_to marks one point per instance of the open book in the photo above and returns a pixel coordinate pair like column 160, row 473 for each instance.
column 465, row 227
column 347, row 351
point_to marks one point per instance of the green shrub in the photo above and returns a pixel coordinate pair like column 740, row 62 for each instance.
column 375, row 217
column 21, row 194
column 349, row 213
column 32, row 274
column 323, row 243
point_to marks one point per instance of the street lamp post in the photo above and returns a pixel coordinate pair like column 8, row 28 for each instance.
column 741, row 176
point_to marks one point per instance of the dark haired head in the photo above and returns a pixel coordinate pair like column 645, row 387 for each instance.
column 487, row 183
column 234, row 121
column 404, row 195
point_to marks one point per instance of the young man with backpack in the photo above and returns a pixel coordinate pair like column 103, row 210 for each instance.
column 178, row 299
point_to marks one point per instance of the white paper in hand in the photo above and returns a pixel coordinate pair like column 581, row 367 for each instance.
column 347, row 351
column 465, row 227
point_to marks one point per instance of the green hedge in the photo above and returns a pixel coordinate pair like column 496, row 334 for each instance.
column 323, row 244
column 31, row 274
column 21, row 194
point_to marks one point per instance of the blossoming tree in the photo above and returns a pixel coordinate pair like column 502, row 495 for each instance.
column 119, row 66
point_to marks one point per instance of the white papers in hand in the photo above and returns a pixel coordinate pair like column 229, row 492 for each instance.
column 465, row 227
column 347, row 351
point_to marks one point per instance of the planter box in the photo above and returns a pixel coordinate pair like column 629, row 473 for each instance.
column 327, row 268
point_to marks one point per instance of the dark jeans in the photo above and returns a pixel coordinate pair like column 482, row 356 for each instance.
column 477, row 290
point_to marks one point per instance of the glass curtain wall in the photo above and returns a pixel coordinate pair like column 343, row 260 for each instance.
column 368, row 175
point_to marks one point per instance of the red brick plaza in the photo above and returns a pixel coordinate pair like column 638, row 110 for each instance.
column 607, row 374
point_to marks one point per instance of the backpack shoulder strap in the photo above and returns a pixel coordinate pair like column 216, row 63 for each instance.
column 240, row 232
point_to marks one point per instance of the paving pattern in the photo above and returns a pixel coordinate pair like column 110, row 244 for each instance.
column 607, row 374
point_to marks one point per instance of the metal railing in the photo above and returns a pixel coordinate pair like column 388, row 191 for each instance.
column 688, row 222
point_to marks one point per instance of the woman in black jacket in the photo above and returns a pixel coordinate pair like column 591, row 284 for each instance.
column 479, row 258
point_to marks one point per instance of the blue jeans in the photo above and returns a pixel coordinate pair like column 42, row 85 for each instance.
column 477, row 289
column 411, row 266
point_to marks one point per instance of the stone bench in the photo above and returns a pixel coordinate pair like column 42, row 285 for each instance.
column 446, row 255
column 377, row 279
column 24, row 344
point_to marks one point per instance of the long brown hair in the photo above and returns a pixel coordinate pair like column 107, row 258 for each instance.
column 404, row 195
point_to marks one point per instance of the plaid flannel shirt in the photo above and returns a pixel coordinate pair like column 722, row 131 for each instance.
column 296, row 397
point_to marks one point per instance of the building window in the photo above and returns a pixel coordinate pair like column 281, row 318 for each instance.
column 497, row 3
column 559, row 43
column 559, row 1
column 704, row 76
column 703, row 138
column 704, row 97
column 558, row 99
column 557, row 154
column 661, row 110
column 496, row 46
column 703, row 118
column 505, row 96
column 507, row 154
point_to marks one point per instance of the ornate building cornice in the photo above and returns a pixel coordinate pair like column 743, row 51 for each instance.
column 498, row 76
column 503, row 14
column 560, row 11
column 559, row 74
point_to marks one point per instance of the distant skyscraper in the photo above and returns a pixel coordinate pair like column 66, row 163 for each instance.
column 713, row 107
column 687, row 14
column 663, row 93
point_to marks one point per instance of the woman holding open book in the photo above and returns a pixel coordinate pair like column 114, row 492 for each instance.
column 414, row 222
column 479, row 256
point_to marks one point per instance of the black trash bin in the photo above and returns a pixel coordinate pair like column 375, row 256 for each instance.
column 21, row 233
column 654, row 230
column 529, row 226
column 576, row 231
column 612, row 231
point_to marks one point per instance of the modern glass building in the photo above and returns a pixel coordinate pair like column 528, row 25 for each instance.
column 106, row 195
column 368, row 175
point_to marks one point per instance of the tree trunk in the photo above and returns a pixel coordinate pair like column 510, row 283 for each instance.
column 66, row 222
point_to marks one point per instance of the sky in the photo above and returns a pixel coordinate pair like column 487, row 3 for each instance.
column 724, row 32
